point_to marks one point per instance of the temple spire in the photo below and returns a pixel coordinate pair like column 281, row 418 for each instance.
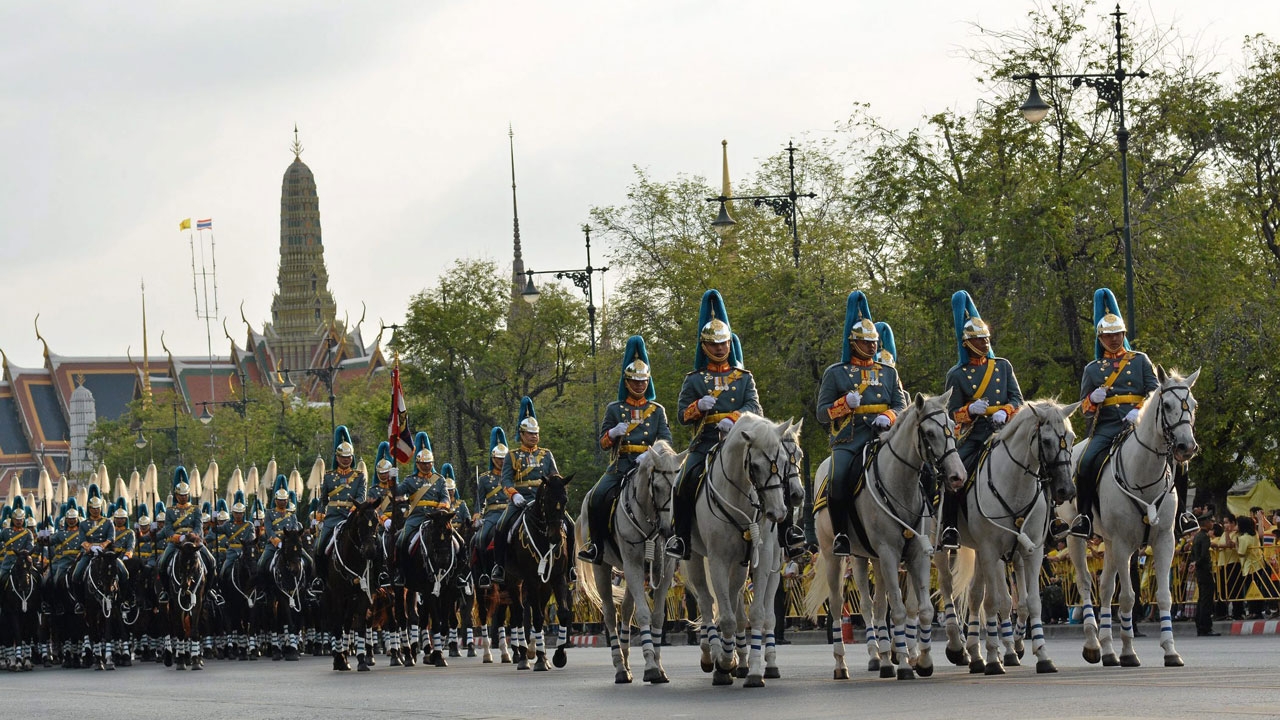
column 297, row 146
column 146, row 358
column 517, row 264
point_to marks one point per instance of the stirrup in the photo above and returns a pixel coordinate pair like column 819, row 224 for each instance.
column 484, row 580
column 498, row 575
column 1057, row 529
column 1082, row 527
column 677, row 548
column 949, row 539
column 1187, row 524
column 840, row 546
column 794, row 536
column 590, row 553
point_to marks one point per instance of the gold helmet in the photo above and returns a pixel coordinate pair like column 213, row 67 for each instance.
column 637, row 370
column 238, row 508
column 18, row 515
column 344, row 449
column 120, row 513
column 384, row 466
column 181, row 489
column 715, row 331
column 72, row 514
column 95, row 502
column 864, row 329
column 222, row 516
column 144, row 521
column 425, row 456
column 976, row 327
column 1111, row 323
column 499, row 451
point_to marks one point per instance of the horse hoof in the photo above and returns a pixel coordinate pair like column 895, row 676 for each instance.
column 1130, row 661
column 487, row 660
column 1092, row 655
column 523, row 664
column 622, row 677
column 653, row 675
column 740, row 672
column 753, row 681
column 873, row 665
column 453, row 652
column 1110, row 660
column 540, row 665
column 395, row 660
column 906, row 673
column 721, row 678
column 976, row 667
column 506, row 658
column 168, row 658
column 1011, row 659
column 1046, row 666
column 560, row 658
column 772, row 673
column 706, row 665
column 841, row 674
column 1021, row 649
column 437, row 659
column 1174, row 660
column 957, row 657
column 471, row 652
column 993, row 668
column 887, row 672
column 197, row 664
column 924, row 671
column 96, row 667
column 362, row 664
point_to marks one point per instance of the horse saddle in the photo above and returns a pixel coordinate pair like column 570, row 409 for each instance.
column 824, row 488
column 332, row 546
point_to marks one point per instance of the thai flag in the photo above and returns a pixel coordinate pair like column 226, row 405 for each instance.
column 398, row 423
column 206, row 224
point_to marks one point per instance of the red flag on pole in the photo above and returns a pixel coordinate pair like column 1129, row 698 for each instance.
column 398, row 424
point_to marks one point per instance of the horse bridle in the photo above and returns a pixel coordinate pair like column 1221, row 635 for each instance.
column 1042, row 474
column 629, row 501
column 103, row 600
column 1185, row 417
column 923, row 449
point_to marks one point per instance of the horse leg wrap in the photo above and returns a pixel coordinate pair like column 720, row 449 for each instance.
column 1087, row 614
column 471, row 640
column 625, row 631
column 562, row 636
column 770, row 642
column 646, row 639
column 1104, row 620
column 539, row 643
column 1037, row 637
column 757, row 643
column 911, row 633
column 1006, row 631
column 1166, row 627
column 1126, row 623
column 899, row 641
column 949, row 613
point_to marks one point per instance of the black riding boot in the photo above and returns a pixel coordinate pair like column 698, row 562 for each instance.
column 838, row 511
column 499, row 573
column 1082, row 525
column 949, row 538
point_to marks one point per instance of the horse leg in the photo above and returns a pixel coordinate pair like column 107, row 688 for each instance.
column 760, row 616
column 1002, row 603
column 741, row 654
column 834, row 577
column 924, row 614
column 1115, row 560
column 609, row 616
column 1031, row 563
column 1162, row 559
column 519, row 606
column 1128, row 658
column 726, row 623
column 536, row 608
column 946, row 588
column 1084, row 585
column 658, row 620
column 564, row 619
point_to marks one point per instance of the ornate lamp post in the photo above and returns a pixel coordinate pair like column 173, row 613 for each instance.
column 783, row 206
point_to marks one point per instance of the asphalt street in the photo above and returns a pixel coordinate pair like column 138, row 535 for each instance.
column 1224, row 677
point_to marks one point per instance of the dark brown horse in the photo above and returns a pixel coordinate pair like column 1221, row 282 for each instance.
column 537, row 569
column 350, row 583
column 186, row 579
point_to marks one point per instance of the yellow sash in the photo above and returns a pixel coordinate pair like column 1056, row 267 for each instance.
column 21, row 534
column 986, row 379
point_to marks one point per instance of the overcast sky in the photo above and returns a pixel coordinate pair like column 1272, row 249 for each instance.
column 117, row 120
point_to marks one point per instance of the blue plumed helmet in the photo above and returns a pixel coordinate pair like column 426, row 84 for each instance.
column 450, row 482
column 342, row 445
column 280, row 488
column 143, row 515
column 383, row 462
column 858, row 324
column 314, row 506
column 498, row 443
column 888, row 354
column 528, row 419
column 422, row 447
column 95, row 498
column 237, row 502
column 635, row 366
column 968, row 324
column 181, row 483
column 161, row 510
column 713, row 326
column 1106, row 319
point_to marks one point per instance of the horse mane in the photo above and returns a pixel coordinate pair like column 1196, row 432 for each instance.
column 660, row 448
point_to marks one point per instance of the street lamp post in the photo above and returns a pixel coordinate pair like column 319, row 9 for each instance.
column 241, row 408
column 783, row 206
column 327, row 375
column 1110, row 89
column 140, row 442
column 582, row 278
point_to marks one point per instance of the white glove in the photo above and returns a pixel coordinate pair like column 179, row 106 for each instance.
column 1098, row 395
column 999, row 418
column 882, row 421
column 386, row 524
column 725, row 425
column 43, row 534
column 95, row 549
column 853, row 398
column 518, row 500
column 155, row 526
column 640, row 458
column 978, row 407
column 1131, row 416
column 618, row 430
column 706, row 402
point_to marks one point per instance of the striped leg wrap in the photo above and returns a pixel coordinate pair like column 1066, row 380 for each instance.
column 1166, row 627
column 1006, row 631
column 1104, row 619
column 539, row 644
column 1126, row 623
column 1037, row 636
column 562, row 636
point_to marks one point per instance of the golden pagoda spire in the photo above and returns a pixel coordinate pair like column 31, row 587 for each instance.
column 146, row 358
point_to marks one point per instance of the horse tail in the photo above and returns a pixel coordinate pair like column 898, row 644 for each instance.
column 587, row 589
column 816, row 595
column 963, row 570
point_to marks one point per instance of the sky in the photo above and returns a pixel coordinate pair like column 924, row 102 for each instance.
column 117, row 120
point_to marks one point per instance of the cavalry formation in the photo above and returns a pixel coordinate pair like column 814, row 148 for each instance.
column 971, row 483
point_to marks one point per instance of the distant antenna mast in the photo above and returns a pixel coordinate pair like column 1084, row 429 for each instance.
column 200, row 281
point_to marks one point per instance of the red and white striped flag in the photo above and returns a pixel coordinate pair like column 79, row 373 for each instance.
column 398, row 424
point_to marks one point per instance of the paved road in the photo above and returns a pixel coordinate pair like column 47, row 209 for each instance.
column 1224, row 677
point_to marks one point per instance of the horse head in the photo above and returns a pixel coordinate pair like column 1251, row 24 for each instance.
column 936, row 433
column 363, row 523
column 656, row 477
column 550, row 505
column 1175, row 408
column 102, row 577
column 755, row 444
column 1041, row 428
column 789, row 433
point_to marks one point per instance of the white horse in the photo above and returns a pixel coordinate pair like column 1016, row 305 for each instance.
column 892, row 509
column 641, row 520
column 1137, row 506
column 742, row 499
column 1026, row 468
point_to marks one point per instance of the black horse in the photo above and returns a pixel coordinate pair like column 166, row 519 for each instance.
column 100, row 589
column 392, row 601
column 537, row 568
column 186, row 579
column 287, row 584
column 241, row 595
column 436, row 570
column 20, row 611
column 350, row 583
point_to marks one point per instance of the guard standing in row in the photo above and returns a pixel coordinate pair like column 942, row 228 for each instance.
column 631, row 425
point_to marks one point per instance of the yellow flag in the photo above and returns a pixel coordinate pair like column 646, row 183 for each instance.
column 185, row 224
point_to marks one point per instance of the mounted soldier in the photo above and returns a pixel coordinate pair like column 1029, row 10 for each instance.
column 342, row 488
column 181, row 519
column 425, row 491
column 492, row 502
column 985, row 395
column 712, row 397
column 384, row 482
column 1113, row 389
column 145, row 541
column 522, row 474
column 276, row 519
column 216, row 537
column 461, row 512
column 125, row 543
column 859, row 398
column 96, row 534
column 14, row 539
column 64, row 548
column 239, row 535
column 631, row 425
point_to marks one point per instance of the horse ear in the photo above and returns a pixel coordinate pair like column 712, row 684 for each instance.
column 1069, row 410
column 569, row 479
column 946, row 396
column 799, row 424
column 1161, row 376
column 1191, row 379
column 919, row 401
